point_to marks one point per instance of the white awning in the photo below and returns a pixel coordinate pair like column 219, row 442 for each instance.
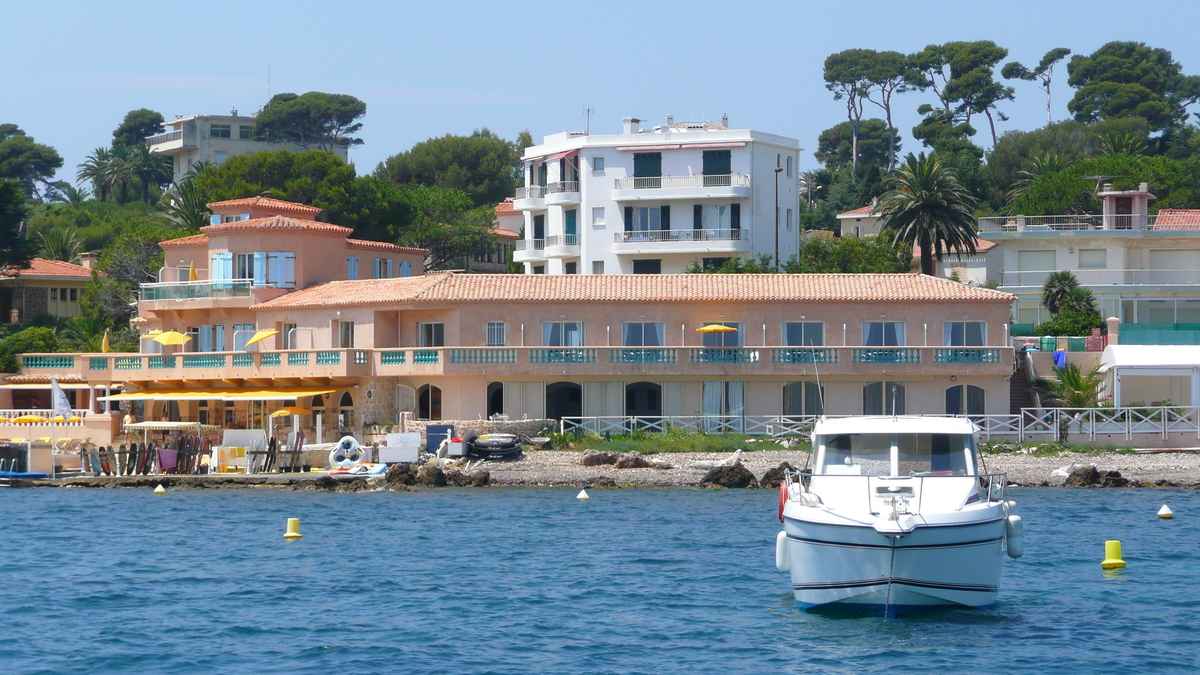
column 1150, row 357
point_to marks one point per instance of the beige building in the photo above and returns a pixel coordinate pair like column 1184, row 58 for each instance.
column 860, row 222
column 49, row 287
column 215, row 138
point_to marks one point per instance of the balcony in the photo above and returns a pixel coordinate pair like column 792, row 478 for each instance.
column 562, row 246
column 681, row 241
column 1093, row 278
column 196, row 290
column 562, row 192
column 530, row 198
column 347, row 364
column 530, row 250
column 725, row 186
column 1034, row 225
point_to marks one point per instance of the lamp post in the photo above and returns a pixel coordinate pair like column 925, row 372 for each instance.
column 777, row 170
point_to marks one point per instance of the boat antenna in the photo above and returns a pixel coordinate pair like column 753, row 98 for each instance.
column 820, row 389
column 893, row 400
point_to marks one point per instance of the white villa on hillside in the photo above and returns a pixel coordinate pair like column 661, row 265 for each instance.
column 651, row 201
column 1142, row 268
column 215, row 138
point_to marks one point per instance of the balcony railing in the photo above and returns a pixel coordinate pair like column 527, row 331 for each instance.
column 165, row 138
column 562, row 240
column 678, row 235
column 966, row 355
column 1066, row 223
column 562, row 186
column 197, row 290
column 817, row 355
column 641, row 355
column 531, row 244
column 1107, row 277
column 659, row 182
column 531, row 192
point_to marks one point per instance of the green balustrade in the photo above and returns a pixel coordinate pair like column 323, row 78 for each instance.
column 966, row 355
column 98, row 363
column 48, row 361
column 204, row 360
column 816, row 355
column 724, row 355
column 329, row 358
column 395, row 357
column 887, row 355
column 243, row 360
column 641, row 355
column 297, row 358
column 160, row 362
column 127, row 363
column 563, row 355
column 425, row 356
column 270, row 359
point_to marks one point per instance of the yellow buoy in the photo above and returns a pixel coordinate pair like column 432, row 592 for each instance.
column 293, row 530
column 1112, row 555
column 160, row 490
column 1166, row 513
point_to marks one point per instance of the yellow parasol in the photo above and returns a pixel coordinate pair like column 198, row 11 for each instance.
column 171, row 338
column 3, row 420
column 104, row 346
column 192, row 276
column 260, row 336
column 288, row 412
column 29, row 419
column 73, row 419
column 716, row 328
column 58, row 419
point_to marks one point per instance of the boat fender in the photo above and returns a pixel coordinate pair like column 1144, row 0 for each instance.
column 783, row 497
column 1010, row 507
column 1014, row 531
column 782, row 562
column 810, row 499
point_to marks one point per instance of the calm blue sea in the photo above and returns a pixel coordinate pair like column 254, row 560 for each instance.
column 533, row 581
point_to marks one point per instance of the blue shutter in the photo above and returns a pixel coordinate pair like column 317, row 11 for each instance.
column 405, row 269
column 260, row 268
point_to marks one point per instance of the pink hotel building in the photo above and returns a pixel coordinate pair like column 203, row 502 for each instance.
column 357, row 332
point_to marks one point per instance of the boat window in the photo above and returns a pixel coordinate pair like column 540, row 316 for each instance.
column 858, row 455
column 933, row 454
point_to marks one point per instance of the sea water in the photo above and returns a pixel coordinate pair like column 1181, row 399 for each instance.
column 535, row 581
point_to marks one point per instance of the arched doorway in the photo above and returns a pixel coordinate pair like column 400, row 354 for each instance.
column 346, row 413
column 643, row 399
column 429, row 402
column 564, row 399
column 495, row 399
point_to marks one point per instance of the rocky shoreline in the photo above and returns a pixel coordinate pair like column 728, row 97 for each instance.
column 552, row 468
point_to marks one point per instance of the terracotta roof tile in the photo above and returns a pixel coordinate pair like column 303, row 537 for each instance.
column 265, row 203
column 860, row 211
column 499, row 232
column 194, row 240
column 450, row 288
column 364, row 245
column 981, row 246
column 40, row 267
column 1177, row 219
column 278, row 224
column 505, row 208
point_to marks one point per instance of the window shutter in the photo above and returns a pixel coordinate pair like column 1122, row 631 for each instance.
column 735, row 216
column 260, row 268
column 665, row 219
column 697, row 217
column 629, row 219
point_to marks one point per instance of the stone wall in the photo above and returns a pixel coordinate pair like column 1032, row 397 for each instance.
column 520, row 427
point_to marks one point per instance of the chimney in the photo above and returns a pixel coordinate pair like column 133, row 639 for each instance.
column 632, row 125
column 233, row 112
column 89, row 259
column 725, row 120
column 1143, row 187
column 670, row 120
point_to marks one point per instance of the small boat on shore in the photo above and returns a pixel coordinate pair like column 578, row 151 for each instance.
column 897, row 514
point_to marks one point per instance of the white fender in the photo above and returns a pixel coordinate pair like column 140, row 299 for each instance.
column 782, row 561
column 1014, row 530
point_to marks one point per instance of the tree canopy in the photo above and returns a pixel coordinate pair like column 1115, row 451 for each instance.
column 313, row 120
column 15, row 250
column 26, row 161
column 137, row 126
column 835, row 145
column 481, row 165
column 1122, row 79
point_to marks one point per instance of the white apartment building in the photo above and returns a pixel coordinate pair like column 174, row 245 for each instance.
column 215, row 138
column 1142, row 268
column 651, row 201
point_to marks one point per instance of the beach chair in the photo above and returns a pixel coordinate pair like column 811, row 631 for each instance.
column 43, row 439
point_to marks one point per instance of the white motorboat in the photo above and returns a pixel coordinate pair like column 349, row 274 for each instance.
column 897, row 514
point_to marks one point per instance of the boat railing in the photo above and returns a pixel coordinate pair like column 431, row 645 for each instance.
column 992, row 487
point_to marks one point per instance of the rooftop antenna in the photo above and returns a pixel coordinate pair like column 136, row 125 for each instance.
column 1100, row 180
column 587, row 114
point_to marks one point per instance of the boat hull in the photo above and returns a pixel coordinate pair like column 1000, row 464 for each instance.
column 856, row 567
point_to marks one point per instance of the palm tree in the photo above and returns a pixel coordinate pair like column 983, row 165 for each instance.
column 927, row 206
column 1079, row 300
column 1121, row 144
column 58, row 243
column 186, row 207
column 1058, row 285
column 68, row 194
column 1039, row 164
column 147, row 168
column 95, row 169
column 1072, row 388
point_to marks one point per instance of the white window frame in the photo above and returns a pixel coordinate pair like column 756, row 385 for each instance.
column 597, row 267
column 626, row 328
column 901, row 337
column 548, row 332
column 805, row 327
column 598, row 164
column 948, row 328
column 597, row 216
column 345, row 335
column 436, row 333
column 495, row 334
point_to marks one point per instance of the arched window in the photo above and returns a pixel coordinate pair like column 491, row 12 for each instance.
column 346, row 412
column 495, row 398
column 883, row 398
column 964, row 400
column 429, row 402
column 564, row 399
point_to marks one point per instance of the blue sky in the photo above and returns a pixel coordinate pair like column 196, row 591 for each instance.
column 72, row 69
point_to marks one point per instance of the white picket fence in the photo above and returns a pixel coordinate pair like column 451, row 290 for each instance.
column 1031, row 424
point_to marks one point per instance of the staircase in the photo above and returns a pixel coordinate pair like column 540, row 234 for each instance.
column 1020, row 394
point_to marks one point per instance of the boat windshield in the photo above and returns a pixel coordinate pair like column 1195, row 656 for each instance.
column 857, row 455
column 934, row 454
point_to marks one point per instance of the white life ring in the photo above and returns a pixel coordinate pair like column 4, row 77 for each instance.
column 346, row 453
